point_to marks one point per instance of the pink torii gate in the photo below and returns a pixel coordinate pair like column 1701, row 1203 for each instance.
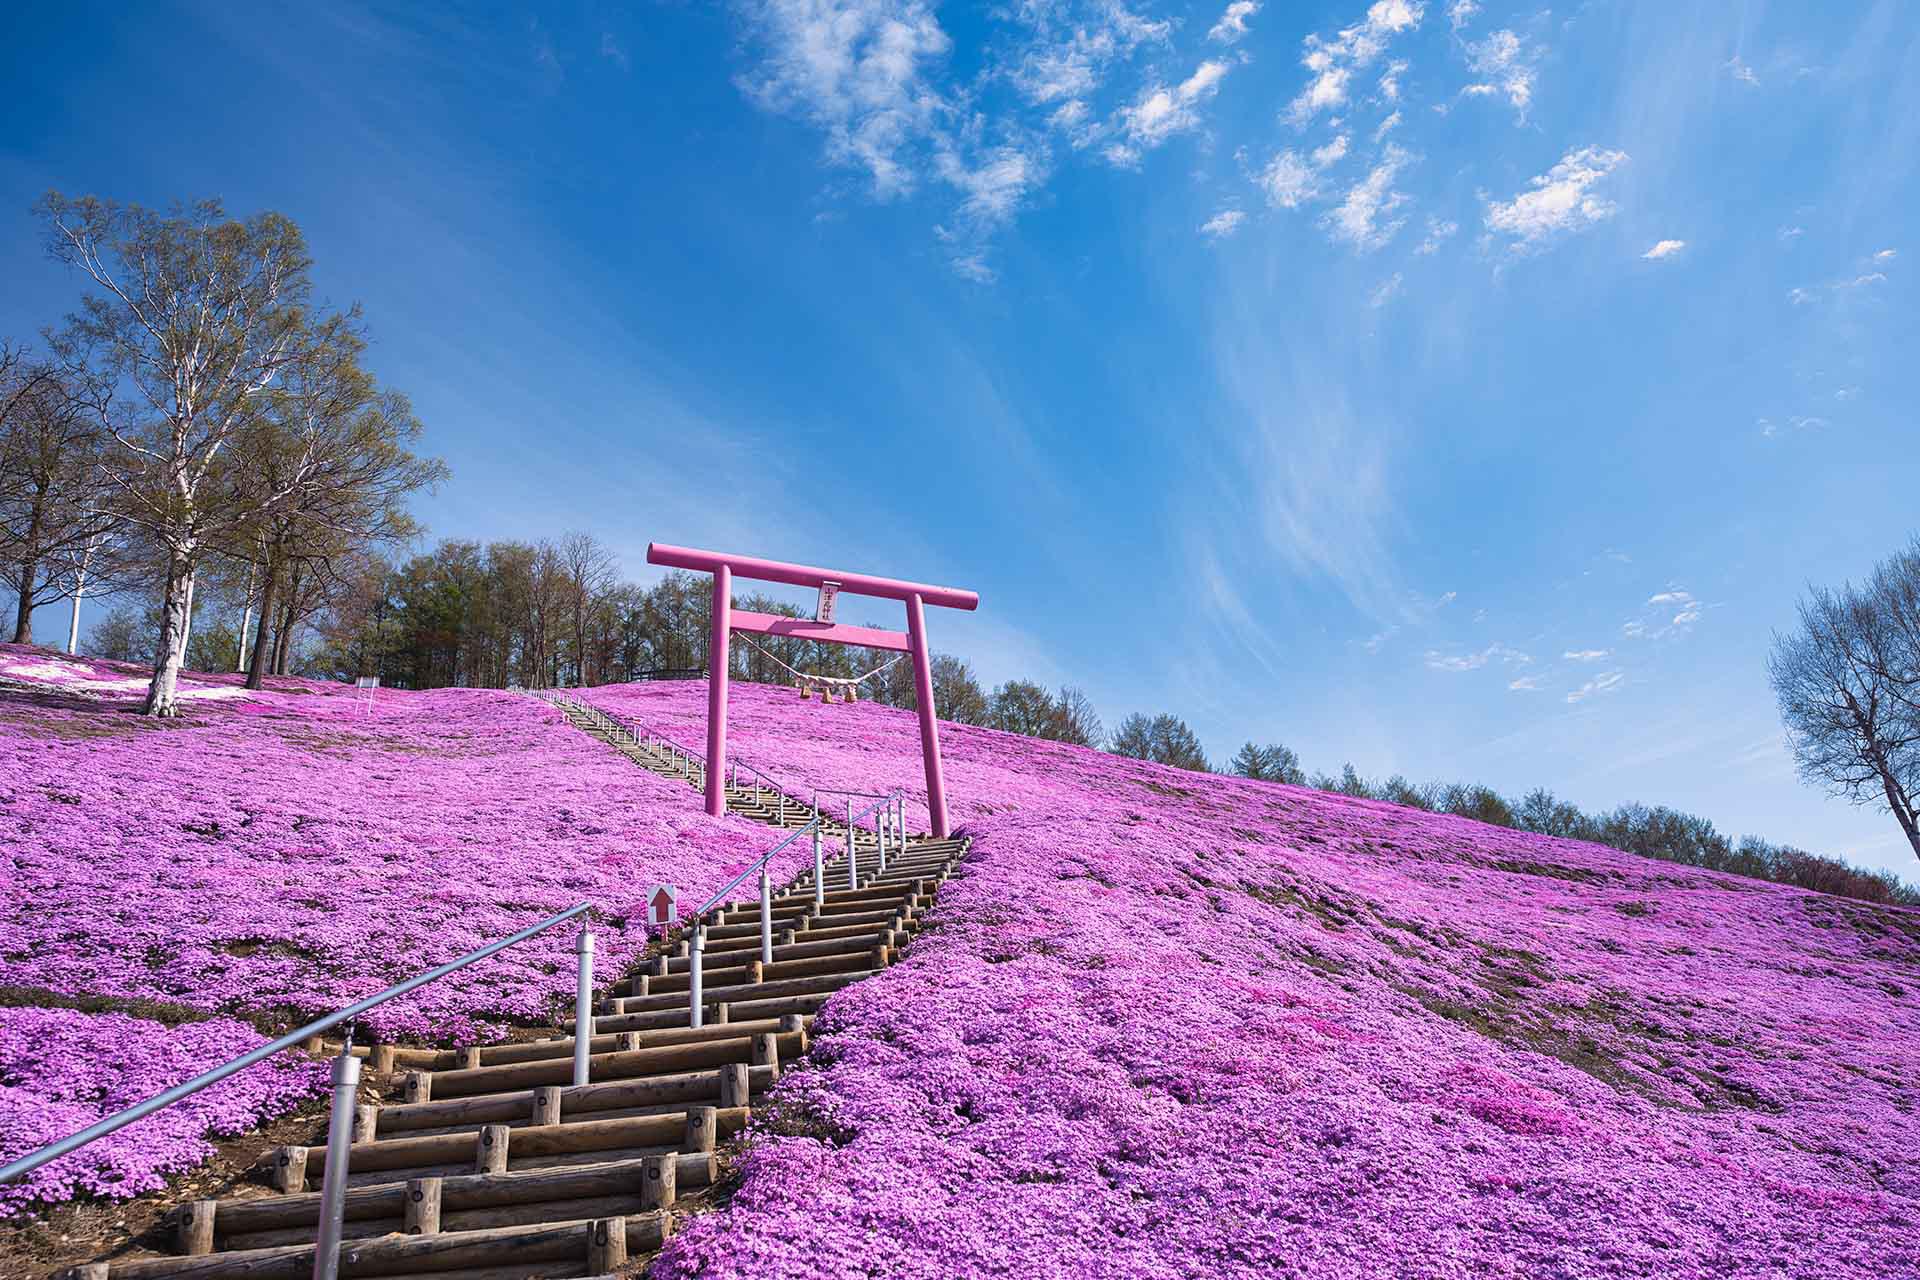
column 727, row 619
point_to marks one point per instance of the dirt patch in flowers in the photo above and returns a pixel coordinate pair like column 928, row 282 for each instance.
column 116, row 1230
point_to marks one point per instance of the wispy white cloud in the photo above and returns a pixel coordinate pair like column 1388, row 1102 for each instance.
column 1384, row 293
column 1507, row 65
column 1605, row 682
column 860, row 71
column 1496, row 652
column 973, row 266
column 992, row 188
column 1069, row 53
column 1525, row 684
column 1789, row 234
column 1806, row 295
column 1390, row 79
column 1741, row 71
column 1886, row 255
column 1672, row 611
column 1333, row 61
column 1386, row 126
column 1439, row 230
column 1461, row 12
column 1289, row 180
column 1365, row 217
column 1163, row 111
column 1587, row 655
column 1222, row 224
column 1332, row 153
column 1233, row 23
column 1664, row 249
column 1558, row 201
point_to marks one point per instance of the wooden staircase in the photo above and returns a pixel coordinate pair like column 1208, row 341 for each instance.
column 488, row 1164
column 758, row 802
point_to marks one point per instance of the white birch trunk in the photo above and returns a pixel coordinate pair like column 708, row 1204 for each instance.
column 162, row 694
column 246, row 620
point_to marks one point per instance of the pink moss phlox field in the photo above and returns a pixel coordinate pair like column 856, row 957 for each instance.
column 1169, row 1024
column 275, row 856
column 61, row 1070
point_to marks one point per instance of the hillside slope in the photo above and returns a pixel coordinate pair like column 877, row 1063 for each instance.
column 271, row 857
column 1178, row 1025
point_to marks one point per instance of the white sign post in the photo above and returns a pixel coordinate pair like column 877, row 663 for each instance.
column 663, row 905
column 370, row 684
column 823, row 611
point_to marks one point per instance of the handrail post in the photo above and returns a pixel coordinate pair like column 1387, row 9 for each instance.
column 853, row 873
column 820, row 870
column 333, row 1186
column 766, row 916
column 583, row 1009
column 693, row 973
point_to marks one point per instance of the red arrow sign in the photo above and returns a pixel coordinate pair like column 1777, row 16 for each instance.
column 663, row 906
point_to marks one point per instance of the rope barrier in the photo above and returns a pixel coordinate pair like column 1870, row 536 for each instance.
column 846, row 684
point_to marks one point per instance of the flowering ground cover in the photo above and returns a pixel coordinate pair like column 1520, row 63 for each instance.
column 1170, row 1024
column 273, row 856
column 62, row 1069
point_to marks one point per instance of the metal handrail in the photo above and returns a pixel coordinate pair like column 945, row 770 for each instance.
column 100, row 1129
column 758, row 863
column 890, row 805
column 773, row 784
column 345, row 1083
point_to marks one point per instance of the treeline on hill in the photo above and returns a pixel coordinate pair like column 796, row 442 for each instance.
column 555, row 614
column 197, row 429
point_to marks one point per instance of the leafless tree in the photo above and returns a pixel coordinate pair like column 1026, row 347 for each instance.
column 1848, row 685
column 59, row 528
column 590, row 573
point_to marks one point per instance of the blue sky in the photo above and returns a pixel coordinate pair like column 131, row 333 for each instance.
column 1460, row 390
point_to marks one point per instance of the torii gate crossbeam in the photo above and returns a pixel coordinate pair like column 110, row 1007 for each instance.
column 726, row 620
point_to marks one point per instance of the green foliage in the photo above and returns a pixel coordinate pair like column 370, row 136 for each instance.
column 1163, row 739
column 1271, row 763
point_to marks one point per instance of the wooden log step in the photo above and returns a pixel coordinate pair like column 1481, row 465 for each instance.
column 740, row 934
column 716, row 995
column 522, row 1107
column 562, row 1046
column 844, row 962
column 509, row 1251
column 832, row 919
column 515, row 1215
column 613, row 1066
column 842, row 894
column 729, row 969
column 859, row 941
column 772, row 1008
column 498, row 1146
column 460, row 1192
column 897, row 924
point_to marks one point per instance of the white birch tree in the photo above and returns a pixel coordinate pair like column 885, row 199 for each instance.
column 196, row 315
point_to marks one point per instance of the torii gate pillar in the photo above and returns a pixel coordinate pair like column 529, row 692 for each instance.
column 726, row 620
